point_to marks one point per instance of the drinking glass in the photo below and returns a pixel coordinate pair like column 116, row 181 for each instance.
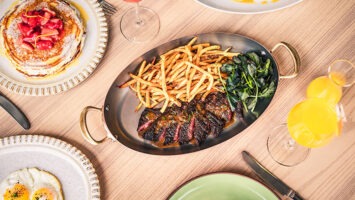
column 139, row 24
column 315, row 121
column 311, row 123
column 284, row 149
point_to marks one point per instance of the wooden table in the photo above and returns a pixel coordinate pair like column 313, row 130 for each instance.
column 321, row 31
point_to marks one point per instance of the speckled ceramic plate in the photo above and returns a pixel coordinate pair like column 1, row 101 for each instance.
column 80, row 69
column 223, row 186
column 257, row 7
column 73, row 169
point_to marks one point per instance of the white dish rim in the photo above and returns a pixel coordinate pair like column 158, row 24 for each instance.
column 66, row 148
column 248, row 13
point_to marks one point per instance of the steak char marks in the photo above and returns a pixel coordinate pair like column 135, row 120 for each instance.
column 218, row 105
column 192, row 123
column 147, row 118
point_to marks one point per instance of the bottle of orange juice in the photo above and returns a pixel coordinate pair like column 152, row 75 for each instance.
column 325, row 88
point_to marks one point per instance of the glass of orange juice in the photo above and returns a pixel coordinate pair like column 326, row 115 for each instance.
column 315, row 121
column 311, row 123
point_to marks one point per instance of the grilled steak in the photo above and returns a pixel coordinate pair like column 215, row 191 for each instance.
column 216, row 124
column 186, row 132
column 193, row 122
column 147, row 118
column 218, row 105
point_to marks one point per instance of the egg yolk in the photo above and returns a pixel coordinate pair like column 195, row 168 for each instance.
column 18, row 192
column 42, row 194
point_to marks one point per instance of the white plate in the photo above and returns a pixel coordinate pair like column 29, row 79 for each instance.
column 73, row 169
column 77, row 72
column 231, row 6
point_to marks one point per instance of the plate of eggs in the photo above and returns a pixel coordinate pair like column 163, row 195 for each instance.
column 36, row 167
column 31, row 183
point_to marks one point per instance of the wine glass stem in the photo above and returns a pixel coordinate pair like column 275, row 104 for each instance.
column 139, row 21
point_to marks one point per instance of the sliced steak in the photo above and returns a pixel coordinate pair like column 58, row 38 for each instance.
column 154, row 133
column 186, row 131
column 193, row 122
column 173, row 119
column 147, row 118
column 216, row 124
column 217, row 103
column 165, row 128
column 157, row 130
column 202, row 128
column 170, row 133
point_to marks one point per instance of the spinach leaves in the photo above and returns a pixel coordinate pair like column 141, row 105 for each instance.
column 250, row 78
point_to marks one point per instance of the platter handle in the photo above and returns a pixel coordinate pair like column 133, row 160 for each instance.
column 295, row 58
column 84, row 127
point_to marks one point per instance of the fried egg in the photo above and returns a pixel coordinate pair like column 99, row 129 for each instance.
column 30, row 184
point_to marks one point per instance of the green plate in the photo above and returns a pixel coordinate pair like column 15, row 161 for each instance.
column 223, row 186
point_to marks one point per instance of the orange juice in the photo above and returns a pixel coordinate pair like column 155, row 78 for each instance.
column 325, row 88
column 313, row 122
column 338, row 78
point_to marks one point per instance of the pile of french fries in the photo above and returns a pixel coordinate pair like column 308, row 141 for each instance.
column 180, row 75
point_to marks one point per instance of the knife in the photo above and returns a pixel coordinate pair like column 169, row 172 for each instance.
column 15, row 112
column 270, row 178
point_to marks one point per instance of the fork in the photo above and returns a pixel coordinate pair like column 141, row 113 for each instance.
column 108, row 8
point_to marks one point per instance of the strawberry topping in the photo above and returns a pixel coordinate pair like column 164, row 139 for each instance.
column 40, row 29
column 44, row 45
column 25, row 29
column 31, row 38
column 47, row 38
column 49, row 31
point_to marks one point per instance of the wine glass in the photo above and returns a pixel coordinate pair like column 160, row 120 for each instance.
column 315, row 121
column 139, row 24
column 284, row 149
column 311, row 123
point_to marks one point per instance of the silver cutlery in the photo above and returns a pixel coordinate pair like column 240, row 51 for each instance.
column 108, row 8
column 15, row 112
column 270, row 178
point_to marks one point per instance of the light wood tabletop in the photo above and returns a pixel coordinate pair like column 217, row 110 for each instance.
column 321, row 31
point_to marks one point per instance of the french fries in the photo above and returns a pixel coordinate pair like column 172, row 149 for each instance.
column 180, row 75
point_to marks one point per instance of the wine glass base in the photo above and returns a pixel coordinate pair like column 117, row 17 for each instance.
column 283, row 149
column 140, row 24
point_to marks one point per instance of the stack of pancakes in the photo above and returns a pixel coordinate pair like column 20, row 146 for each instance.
column 42, row 63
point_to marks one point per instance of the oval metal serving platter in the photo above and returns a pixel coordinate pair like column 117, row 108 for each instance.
column 121, row 120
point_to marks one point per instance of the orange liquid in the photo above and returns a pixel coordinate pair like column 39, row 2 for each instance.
column 244, row 1
column 338, row 78
column 313, row 122
column 323, row 87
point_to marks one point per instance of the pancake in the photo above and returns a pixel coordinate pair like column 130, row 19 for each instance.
column 41, row 37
